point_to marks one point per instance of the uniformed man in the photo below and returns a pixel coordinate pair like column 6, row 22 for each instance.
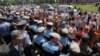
column 39, row 37
column 39, row 23
column 53, row 46
column 13, row 23
column 5, row 29
column 49, row 29
column 65, row 40
column 21, row 26
column 34, row 27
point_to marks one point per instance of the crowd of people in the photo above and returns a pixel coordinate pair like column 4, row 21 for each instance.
column 34, row 32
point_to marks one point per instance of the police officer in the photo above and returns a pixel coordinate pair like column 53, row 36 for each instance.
column 39, row 23
column 53, row 46
column 5, row 29
column 39, row 37
column 33, row 27
column 49, row 29
column 65, row 40
column 21, row 26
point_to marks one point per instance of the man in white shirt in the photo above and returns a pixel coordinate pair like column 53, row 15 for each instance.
column 74, row 46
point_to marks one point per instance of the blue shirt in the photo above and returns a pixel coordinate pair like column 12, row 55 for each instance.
column 34, row 27
column 39, row 39
column 4, row 28
column 50, row 47
column 64, row 41
column 26, row 38
column 47, row 32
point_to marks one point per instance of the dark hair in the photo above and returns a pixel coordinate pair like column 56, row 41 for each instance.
column 78, row 36
column 50, row 37
column 63, row 34
column 73, row 24
column 85, row 40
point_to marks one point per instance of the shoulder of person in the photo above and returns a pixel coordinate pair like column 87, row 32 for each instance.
column 4, row 48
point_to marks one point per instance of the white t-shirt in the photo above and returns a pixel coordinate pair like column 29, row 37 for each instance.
column 72, row 31
column 75, row 47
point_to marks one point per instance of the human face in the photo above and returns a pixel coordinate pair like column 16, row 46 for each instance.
column 17, row 41
column 54, row 40
column 24, row 27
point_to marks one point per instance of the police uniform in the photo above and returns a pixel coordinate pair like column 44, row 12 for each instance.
column 34, row 27
column 65, row 41
column 48, row 31
column 39, row 39
column 26, row 38
column 39, row 23
column 51, row 48
column 5, row 30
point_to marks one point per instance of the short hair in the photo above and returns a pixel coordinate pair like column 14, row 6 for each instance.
column 15, row 34
column 78, row 36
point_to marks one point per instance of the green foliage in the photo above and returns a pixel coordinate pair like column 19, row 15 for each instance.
column 87, row 7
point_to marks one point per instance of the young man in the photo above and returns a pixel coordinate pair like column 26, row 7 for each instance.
column 74, row 46
column 5, row 29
